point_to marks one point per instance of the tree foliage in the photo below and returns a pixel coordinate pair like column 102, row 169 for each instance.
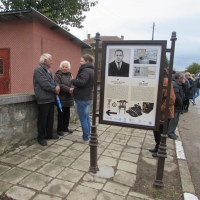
column 64, row 12
column 193, row 68
column 166, row 62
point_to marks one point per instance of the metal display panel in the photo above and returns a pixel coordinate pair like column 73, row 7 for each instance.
column 131, row 83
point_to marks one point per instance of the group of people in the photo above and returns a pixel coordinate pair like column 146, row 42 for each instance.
column 184, row 89
column 69, row 90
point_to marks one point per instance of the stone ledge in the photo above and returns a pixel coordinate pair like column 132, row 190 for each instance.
column 16, row 98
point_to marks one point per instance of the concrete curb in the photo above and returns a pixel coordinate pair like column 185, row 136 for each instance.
column 186, row 180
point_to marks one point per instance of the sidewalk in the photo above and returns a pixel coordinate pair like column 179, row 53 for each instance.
column 60, row 170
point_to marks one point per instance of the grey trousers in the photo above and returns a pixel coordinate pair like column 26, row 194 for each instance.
column 173, row 124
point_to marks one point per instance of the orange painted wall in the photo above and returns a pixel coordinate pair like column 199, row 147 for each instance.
column 27, row 41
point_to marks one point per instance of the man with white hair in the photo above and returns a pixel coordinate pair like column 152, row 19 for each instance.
column 45, row 89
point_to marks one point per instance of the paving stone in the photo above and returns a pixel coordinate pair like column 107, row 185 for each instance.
column 46, row 155
column 125, row 178
column 14, row 159
column 36, row 181
column 120, row 136
column 79, row 146
column 140, row 131
column 82, row 193
column 134, row 150
column 59, row 188
column 38, row 146
column 146, row 153
column 103, row 145
column 62, row 161
column 105, row 160
column 116, row 188
column 151, row 161
column 79, row 129
column 101, row 128
column 77, row 133
column 109, row 196
column 129, row 157
column 72, row 153
column 110, row 134
column 114, row 128
column 134, row 144
column 56, row 148
column 138, row 195
column 32, row 164
column 30, row 152
column 100, row 150
column 4, row 186
column 71, row 137
column 65, row 143
column 105, row 172
column 136, row 139
column 20, row 193
column 116, row 147
column 46, row 197
column 127, row 166
column 14, row 175
column 120, row 142
column 93, row 177
column 112, row 153
column 104, row 125
column 136, row 134
column 93, row 181
column 81, row 165
column 3, row 169
column 85, row 156
column 71, row 175
column 51, row 169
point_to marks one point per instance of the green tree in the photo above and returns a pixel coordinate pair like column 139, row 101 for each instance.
column 166, row 62
column 64, row 12
column 193, row 68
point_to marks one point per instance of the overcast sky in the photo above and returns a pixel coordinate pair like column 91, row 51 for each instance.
column 134, row 20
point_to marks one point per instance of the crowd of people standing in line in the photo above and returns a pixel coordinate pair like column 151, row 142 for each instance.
column 184, row 89
column 69, row 89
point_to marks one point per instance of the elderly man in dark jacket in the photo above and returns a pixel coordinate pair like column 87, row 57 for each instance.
column 179, row 85
column 45, row 89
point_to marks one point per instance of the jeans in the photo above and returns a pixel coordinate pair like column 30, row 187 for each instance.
column 196, row 94
column 83, row 110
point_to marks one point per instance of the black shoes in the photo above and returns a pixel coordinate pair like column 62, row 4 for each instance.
column 68, row 130
column 54, row 137
column 174, row 137
column 153, row 150
column 60, row 133
column 155, row 154
column 42, row 142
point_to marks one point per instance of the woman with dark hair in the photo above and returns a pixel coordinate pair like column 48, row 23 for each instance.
column 82, row 92
column 157, row 134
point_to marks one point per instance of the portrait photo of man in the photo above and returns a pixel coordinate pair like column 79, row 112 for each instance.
column 118, row 67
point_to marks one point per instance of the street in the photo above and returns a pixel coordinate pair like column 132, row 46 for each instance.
column 189, row 128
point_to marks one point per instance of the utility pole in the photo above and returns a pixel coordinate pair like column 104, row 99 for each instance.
column 153, row 30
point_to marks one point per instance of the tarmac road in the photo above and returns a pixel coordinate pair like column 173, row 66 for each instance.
column 189, row 129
